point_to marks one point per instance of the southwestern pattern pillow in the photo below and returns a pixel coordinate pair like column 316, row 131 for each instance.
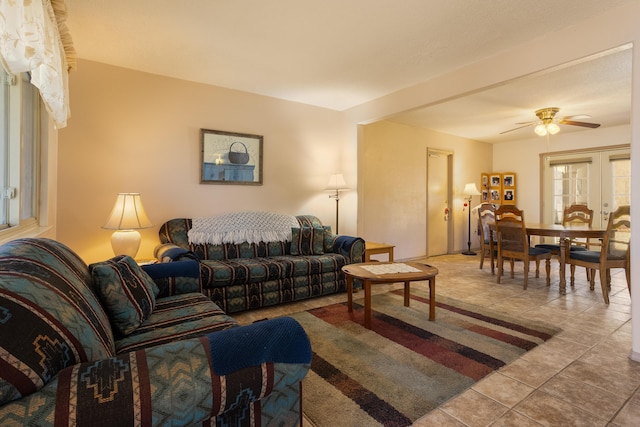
column 328, row 239
column 126, row 290
column 307, row 240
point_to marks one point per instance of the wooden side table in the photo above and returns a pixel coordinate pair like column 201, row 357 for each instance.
column 359, row 271
column 372, row 248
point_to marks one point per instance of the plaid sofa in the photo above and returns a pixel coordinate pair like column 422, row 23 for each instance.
column 245, row 276
column 114, row 345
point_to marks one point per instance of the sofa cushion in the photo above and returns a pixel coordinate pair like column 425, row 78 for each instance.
column 126, row 290
column 175, row 318
column 307, row 240
column 49, row 316
column 242, row 271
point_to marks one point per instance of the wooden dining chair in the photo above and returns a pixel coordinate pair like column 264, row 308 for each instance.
column 486, row 217
column 574, row 214
column 513, row 243
column 614, row 253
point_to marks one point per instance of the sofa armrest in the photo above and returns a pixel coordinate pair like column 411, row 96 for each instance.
column 179, row 383
column 169, row 252
column 351, row 247
column 174, row 278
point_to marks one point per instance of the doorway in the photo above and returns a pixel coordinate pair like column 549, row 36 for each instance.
column 599, row 178
column 439, row 219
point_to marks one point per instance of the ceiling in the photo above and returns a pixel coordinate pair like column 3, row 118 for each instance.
column 338, row 54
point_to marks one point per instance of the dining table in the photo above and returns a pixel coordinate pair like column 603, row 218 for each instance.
column 565, row 233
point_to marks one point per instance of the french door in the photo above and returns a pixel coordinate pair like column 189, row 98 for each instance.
column 601, row 179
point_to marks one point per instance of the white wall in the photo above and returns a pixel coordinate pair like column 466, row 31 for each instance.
column 523, row 158
column 138, row 132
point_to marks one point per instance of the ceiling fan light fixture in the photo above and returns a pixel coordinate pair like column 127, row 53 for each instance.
column 541, row 129
column 553, row 128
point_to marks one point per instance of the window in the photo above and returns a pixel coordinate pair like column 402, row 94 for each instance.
column 19, row 151
column 599, row 178
column 571, row 186
column 621, row 180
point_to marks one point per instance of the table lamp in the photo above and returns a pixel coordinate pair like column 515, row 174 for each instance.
column 126, row 218
column 336, row 184
column 470, row 190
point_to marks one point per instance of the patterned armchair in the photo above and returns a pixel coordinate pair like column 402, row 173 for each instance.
column 69, row 357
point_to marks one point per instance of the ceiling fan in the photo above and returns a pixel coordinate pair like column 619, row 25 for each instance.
column 548, row 123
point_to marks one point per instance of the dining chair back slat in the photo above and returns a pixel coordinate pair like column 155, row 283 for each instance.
column 513, row 243
column 486, row 218
column 614, row 252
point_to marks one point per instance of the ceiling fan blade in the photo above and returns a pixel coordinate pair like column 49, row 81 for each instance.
column 577, row 116
column 519, row 127
column 583, row 124
column 527, row 123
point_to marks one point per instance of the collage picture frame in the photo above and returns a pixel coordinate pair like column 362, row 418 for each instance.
column 498, row 188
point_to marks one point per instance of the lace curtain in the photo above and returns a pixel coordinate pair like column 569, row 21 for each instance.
column 34, row 38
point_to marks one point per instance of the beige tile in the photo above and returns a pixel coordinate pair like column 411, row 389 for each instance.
column 515, row 419
column 503, row 389
column 438, row 418
column 550, row 411
column 531, row 373
column 474, row 409
column 557, row 352
column 599, row 375
column 629, row 416
column 594, row 400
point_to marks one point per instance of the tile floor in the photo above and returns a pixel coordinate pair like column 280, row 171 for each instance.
column 581, row 377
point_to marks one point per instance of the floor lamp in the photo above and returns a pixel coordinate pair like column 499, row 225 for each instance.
column 470, row 190
column 336, row 184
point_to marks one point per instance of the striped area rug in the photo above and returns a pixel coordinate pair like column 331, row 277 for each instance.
column 405, row 366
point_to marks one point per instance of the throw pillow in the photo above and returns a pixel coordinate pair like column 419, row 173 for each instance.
column 126, row 290
column 307, row 240
column 328, row 239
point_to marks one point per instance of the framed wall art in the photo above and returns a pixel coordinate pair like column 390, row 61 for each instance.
column 230, row 158
column 495, row 180
column 509, row 188
column 509, row 179
column 499, row 188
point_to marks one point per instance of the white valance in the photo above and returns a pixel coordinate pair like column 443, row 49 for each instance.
column 34, row 38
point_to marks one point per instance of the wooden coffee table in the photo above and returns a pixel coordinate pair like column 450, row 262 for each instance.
column 395, row 272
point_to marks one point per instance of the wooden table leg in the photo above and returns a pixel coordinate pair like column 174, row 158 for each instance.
column 349, row 291
column 432, row 298
column 564, row 244
column 367, row 304
column 407, row 294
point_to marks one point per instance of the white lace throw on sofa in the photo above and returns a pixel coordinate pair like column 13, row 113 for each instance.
column 238, row 227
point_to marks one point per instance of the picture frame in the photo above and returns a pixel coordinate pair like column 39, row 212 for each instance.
column 485, row 195
column 495, row 180
column 484, row 180
column 509, row 180
column 509, row 196
column 230, row 157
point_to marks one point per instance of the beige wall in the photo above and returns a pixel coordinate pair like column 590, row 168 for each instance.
column 393, row 184
column 137, row 132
